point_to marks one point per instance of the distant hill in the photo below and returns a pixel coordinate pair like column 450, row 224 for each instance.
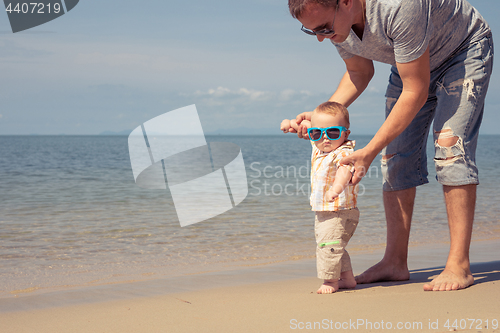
column 125, row 132
column 224, row 131
column 245, row 131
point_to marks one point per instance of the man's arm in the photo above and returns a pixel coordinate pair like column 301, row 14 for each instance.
column 359, row 72
column 416, row 77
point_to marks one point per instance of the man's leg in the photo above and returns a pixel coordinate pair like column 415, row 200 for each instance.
column 404, row 167
column 398, row 211
column 461, row 93
column 460, row 206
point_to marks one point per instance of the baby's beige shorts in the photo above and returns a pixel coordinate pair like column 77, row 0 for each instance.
column 334, row 227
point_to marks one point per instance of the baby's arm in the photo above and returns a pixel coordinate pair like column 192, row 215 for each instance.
column 342, row 179
column 291, row 126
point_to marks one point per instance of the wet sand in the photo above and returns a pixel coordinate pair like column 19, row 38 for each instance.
column 272, row 298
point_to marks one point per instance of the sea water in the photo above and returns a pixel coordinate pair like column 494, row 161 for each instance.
column 71, row 213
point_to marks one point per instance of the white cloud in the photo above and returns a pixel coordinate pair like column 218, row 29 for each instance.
column 218, row 92
column 223, row 95
column 224, row 108
column 242, row 93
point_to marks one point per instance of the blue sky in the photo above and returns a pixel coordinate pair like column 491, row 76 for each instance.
column 112, row 65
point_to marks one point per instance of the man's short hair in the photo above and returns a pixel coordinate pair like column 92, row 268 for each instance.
column 297, row 7
column 334, row 108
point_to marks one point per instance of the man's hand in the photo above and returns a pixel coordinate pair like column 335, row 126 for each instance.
column 303, row 121
column 361, row 161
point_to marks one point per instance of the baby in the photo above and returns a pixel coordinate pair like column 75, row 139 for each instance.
column 332, row 197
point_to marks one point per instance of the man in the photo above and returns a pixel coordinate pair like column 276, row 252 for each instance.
column 442, row 55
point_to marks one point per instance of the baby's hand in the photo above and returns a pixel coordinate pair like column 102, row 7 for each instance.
column 292, row 126
column 285, row 125
column 288, row 125
column 331, row 195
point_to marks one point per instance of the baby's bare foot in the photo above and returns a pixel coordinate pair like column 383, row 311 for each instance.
column 448, row 280
column 328, row 287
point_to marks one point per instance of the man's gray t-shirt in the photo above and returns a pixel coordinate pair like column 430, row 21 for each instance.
column 400, row 30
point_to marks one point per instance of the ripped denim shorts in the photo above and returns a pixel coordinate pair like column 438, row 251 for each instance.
column 456, row 102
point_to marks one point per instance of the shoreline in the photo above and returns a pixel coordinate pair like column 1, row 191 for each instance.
column 272, row 298
column 423, row 257
column 128, row 274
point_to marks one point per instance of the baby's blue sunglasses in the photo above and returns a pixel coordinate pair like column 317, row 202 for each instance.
column 332, row 133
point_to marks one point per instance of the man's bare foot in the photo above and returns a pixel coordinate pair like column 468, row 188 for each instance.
column 448, row 280
column 347, row 280
column 384, row 272
column 328, row 287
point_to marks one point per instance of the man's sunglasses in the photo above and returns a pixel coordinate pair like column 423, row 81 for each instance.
column 327, row 33
column 333, row 133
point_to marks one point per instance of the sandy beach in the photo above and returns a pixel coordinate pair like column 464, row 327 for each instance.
column 272, row 298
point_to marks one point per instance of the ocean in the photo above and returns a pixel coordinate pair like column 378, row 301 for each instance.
column 72, row 215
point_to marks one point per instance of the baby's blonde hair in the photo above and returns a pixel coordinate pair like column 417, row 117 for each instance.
column 334, row 108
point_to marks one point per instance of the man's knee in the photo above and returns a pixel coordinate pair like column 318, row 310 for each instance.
column 455, row 162
column 446, row 138
column 449, row 147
